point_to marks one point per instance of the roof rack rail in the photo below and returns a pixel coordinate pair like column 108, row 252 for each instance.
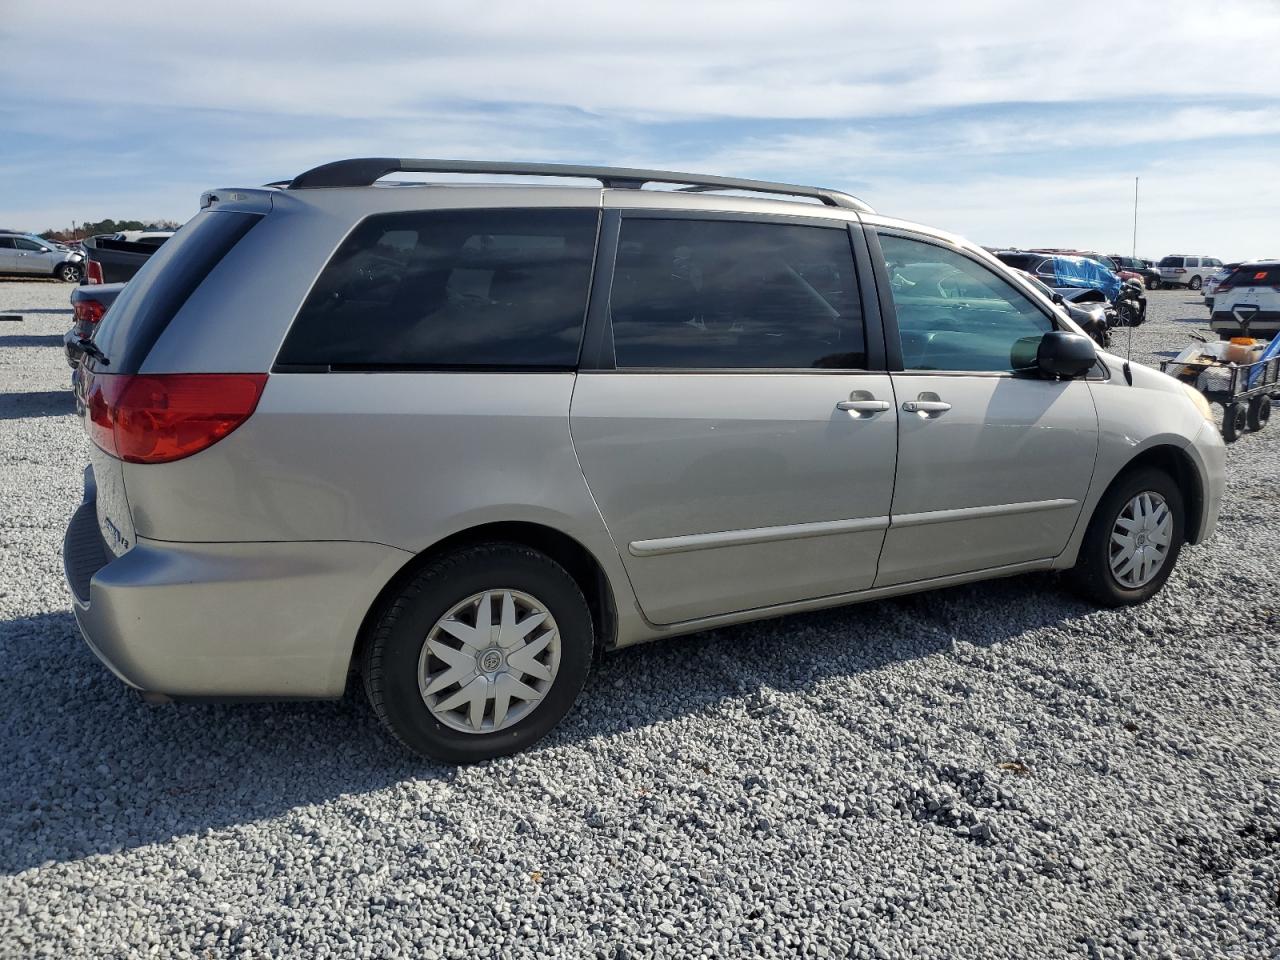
column 364, row 171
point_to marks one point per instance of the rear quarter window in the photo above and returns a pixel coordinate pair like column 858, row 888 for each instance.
column 451, row 289
column 157, row 292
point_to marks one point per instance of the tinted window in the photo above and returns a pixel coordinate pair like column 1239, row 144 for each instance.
column 151, row 299
column 1171, row 262
column 735, row 295
column 956, row 314
column 24, row 244
column 1253, row 276
column 6, row 243
column 456, row 288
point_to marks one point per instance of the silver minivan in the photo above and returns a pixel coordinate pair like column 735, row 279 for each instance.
column 455, row 438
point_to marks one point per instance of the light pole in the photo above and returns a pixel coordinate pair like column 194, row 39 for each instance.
column 1134, row 254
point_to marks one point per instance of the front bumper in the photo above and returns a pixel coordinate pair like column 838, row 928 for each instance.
column 236, row 620
column 1210, row 452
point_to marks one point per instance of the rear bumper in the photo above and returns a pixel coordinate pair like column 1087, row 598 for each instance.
column 275, row 620
column 1264, row 324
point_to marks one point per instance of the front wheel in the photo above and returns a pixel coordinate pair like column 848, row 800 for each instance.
column 1133, row 540
column 481, row 654
column 68, row 273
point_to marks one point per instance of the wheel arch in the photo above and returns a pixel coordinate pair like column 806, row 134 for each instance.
column 1178, row 464
column 579, row 562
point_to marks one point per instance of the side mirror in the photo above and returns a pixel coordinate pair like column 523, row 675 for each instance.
column 1059, row 299
column 1066, row 356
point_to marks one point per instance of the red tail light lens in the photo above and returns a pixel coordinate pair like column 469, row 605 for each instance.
column 89, row 311
column 159, row 418
column 94, row 272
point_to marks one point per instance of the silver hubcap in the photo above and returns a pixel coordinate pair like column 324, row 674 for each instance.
column 488, row 662
column 1140, row 540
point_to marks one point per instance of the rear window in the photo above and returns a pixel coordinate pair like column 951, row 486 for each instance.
column 1254, row 276
column 1023, row 261
column 157, row 292
column 451, row 289
column 1171, row 262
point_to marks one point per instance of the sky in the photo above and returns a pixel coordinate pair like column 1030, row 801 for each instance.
column 1011, row 123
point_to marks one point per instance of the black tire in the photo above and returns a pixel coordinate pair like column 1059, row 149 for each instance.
column 68, row 272
column 1195, row 283
column 392, row 653
column 1154, row 285
column 1259, row 412
column 1234, row 422
column 1092, row 572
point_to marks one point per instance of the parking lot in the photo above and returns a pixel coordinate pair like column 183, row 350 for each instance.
column 992, row 770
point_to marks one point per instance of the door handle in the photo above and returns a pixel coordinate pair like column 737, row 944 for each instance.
column 926, row 404
column 864, row 406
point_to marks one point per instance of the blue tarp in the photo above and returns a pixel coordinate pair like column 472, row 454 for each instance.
column 1083, row 272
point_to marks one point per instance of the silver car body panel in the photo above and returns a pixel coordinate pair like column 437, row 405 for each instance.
column 235, row 619
column 997, row 479
column 706, row 499
column 729, row 491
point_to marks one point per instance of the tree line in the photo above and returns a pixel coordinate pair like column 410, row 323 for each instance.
column 93, row 228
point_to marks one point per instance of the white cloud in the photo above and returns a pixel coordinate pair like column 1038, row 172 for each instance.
column 908, row 105
column 795, row 60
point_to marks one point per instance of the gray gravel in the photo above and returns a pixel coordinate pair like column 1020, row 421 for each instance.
column 994, row 771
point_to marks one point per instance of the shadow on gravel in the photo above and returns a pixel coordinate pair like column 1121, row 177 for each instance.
column 65, row 310
column 32, row 340
column 37, row 403
column 95, row 770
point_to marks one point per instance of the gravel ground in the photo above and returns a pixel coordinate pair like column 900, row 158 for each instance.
column 996, row 770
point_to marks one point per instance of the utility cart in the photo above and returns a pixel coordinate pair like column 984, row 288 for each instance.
column 1245, row 390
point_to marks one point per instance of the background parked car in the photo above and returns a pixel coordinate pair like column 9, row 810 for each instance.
column 1093, row 317
column 113, row 259
column 89, row 304
column 1252, row 292
column 24, row 254
column 1181, row 270
column 1211, row 282
column 1142, row 268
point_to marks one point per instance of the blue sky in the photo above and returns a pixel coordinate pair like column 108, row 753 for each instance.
column 1007, row 127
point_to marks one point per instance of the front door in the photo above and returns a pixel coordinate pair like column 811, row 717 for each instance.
column 740, row 449
column 993, row 465
column 31, row 257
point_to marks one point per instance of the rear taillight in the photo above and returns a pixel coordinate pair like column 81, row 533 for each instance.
column 159, row 418
column 89, row 311
column 94, row 272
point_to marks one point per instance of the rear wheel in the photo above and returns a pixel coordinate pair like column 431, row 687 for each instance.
column 1133, row 539
column 1234, row 422
column 481, row 654
column 1195, row 283
column 1259, row 412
